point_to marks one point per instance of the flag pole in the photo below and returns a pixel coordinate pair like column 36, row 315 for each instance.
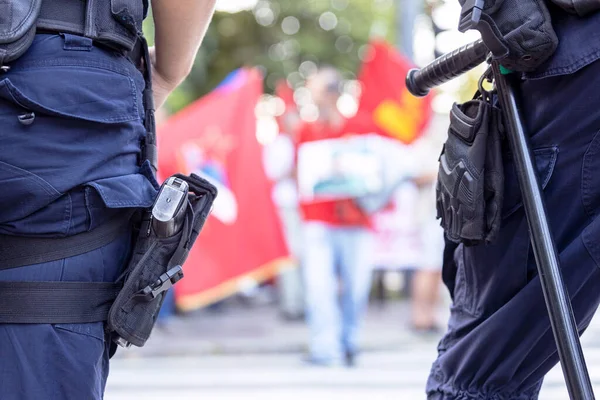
column 406, row 13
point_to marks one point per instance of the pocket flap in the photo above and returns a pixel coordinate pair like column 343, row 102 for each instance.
column 545, row 159
column 127, row 191
column 90, row 94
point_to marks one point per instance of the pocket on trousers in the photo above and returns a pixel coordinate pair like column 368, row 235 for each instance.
column 94, row 330
column 488, row 276
column 463, row 283
column 545, row 160
column 590, row 181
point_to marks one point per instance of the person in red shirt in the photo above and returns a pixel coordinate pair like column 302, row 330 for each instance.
column 336, row 245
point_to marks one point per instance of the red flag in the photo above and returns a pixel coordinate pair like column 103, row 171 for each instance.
column 215, row 137
column 386, row 106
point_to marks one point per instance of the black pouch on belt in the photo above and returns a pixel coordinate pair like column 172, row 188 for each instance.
column 470, row 184
column 18, row 20
column 166, row 234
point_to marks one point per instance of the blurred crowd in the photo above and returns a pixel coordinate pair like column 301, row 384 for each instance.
column 341, row 244
column 350, row 225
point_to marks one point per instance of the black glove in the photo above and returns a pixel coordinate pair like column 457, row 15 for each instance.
column 518, row 32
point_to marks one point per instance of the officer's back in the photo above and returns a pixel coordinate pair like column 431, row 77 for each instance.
column 73, row 127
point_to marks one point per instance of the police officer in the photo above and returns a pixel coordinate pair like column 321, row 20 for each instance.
column 71, row 128
column 499, row 343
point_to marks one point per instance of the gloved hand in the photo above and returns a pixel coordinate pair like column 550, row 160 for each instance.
column 518, row 32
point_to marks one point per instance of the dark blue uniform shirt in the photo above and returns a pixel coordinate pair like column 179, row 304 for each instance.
column 579, row 44
column 70, row 130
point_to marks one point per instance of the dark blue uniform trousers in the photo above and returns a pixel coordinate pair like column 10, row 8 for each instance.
column 70, row 130
column 499, row 343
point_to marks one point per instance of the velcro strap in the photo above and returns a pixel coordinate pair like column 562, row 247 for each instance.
column 151, row 153
column 18, row 251
column 56, row 302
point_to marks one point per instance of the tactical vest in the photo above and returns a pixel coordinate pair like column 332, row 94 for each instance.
column 114, row 23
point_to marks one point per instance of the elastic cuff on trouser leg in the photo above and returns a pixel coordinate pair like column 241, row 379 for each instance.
column 439, row 388
column 464, row 395
column 447, row 392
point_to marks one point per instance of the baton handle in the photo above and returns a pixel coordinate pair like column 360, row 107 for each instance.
column 446, row 68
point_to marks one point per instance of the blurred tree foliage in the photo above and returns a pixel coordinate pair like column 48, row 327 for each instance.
column 278, row 36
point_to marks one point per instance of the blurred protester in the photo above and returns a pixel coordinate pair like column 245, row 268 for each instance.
column 279, row 166
column 336, row 242
column 426, row 282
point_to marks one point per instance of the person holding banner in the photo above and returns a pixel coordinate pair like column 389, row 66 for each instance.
column 336, row 237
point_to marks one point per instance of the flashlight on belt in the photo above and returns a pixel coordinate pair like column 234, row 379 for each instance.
column 168, row 212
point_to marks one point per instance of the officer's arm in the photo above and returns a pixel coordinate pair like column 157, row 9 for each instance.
column 180, row 27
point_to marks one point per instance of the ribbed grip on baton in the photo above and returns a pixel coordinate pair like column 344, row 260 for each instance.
column 446, row 67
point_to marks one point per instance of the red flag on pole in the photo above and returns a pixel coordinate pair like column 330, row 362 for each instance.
column 386, row 106
column 215, row 137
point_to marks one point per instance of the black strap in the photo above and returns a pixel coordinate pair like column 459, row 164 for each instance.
column 18, row 251
column 56, row 302
column 140, row 56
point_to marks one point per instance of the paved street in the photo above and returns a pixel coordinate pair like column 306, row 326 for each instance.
column 259, row 367
column 397, row 375
column 380, row 376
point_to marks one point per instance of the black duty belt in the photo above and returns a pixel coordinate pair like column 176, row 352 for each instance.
column 56, row 302
column 18, row 251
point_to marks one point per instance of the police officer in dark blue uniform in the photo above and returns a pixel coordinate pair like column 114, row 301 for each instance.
column 71, row 134
column 499, row 343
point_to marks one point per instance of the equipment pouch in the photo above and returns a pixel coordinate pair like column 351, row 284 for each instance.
column 519, row 33
column 166, row 234
column 18, row 20
column 470, row 184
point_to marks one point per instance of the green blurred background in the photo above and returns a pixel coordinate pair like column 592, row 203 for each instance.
column 289, row 38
